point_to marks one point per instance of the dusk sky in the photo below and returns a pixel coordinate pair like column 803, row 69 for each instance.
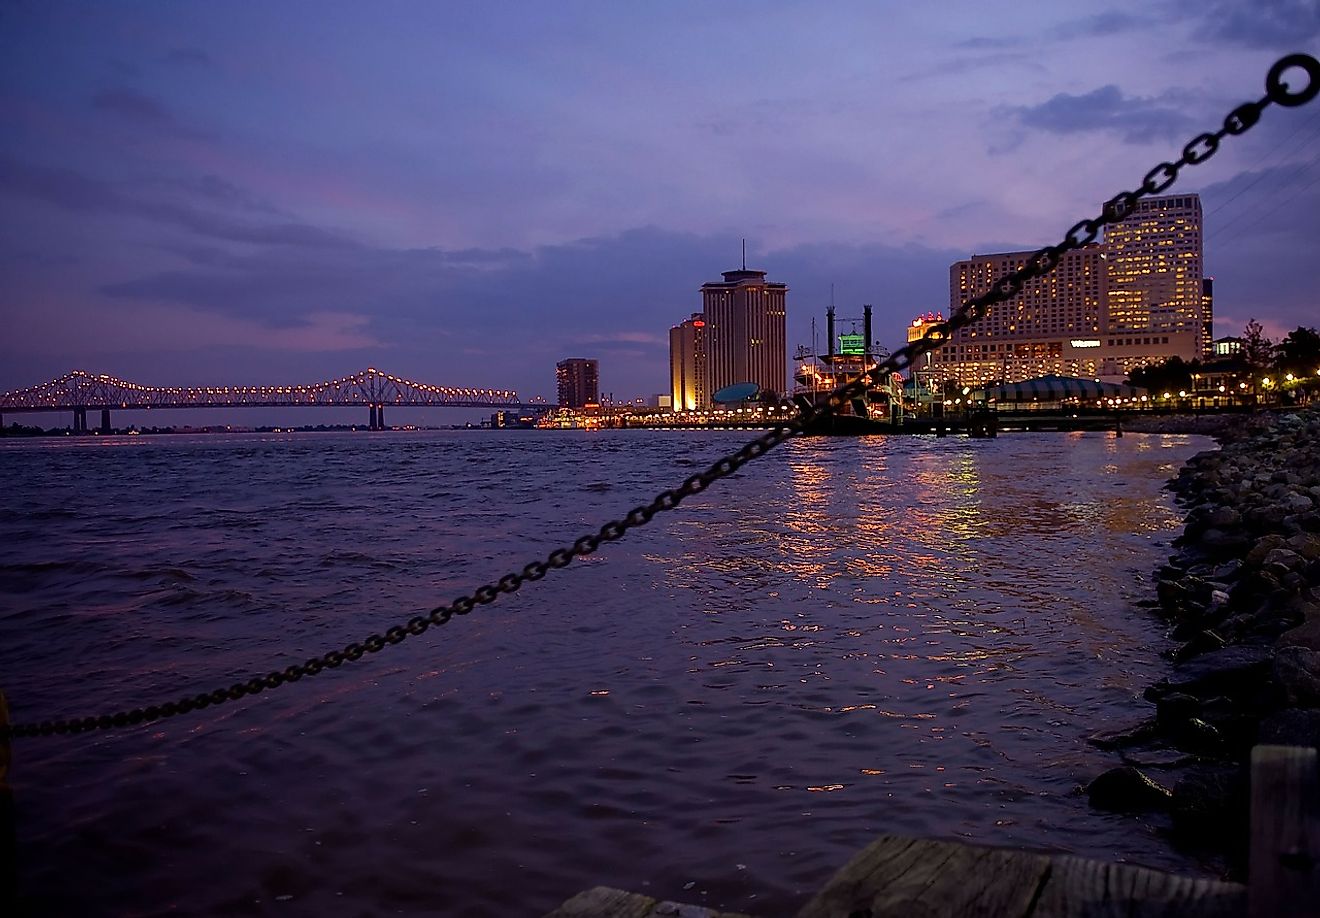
column 463, row 194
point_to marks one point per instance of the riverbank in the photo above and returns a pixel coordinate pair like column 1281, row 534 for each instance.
column 1241, row 597
column 1224, row 427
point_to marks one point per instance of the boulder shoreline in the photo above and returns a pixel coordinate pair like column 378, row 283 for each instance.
column 1241, row 597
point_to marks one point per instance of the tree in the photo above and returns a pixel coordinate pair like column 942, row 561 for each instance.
column 1258, row 353
column 1173, row 375
column 1257, row 350
column 1299, row 352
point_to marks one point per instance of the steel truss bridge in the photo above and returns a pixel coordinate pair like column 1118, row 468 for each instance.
column 80, row 392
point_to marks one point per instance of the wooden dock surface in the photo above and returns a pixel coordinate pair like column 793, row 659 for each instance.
column 919, row 878
column 898, row 877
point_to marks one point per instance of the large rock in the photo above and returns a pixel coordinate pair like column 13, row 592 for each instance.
column 1297, row 670
column 1305, row 635
column 1285, row 558
column 1224, row 543
column 1296, row 503
column 1256, row 556
column 1306, row 544
column 1232, row 670
column 1127, row 790
column 1210, row 808
column 1196, row 736
column 1124, row 736
column 1291, row 727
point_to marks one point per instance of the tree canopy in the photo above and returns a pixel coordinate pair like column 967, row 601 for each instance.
column 1299, row 352
column 1172, row 375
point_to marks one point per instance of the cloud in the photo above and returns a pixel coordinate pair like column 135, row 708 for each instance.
column 968, row 63
column 188, row 57
column 1135, row 120
column 144, row 112
column 522, row 310
column 1281, row 24
column 987, row 43
column 1100, row 25
column 79, row 193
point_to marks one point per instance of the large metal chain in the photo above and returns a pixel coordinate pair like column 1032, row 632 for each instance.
column 1041, row 262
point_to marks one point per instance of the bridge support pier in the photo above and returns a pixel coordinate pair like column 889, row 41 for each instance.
column 105, row 420
column 80, row 420
column 380, row 417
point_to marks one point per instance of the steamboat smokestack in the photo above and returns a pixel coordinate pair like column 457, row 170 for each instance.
column 866, row 332
column 829, row 332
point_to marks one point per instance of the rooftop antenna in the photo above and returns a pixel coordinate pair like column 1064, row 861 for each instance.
column 744, row 255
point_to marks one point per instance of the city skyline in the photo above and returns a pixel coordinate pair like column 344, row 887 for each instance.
column 204, row 197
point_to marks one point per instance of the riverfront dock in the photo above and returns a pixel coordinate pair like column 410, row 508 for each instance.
column 897, row 877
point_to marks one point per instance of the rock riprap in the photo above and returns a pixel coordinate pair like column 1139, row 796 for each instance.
column 1242, row 599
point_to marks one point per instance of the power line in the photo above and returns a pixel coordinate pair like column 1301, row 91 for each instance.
column 1287, row 200
column 1259, row 203
column 1278, row 147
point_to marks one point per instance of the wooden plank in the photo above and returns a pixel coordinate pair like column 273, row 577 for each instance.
column 8, row 836
column 1081, row 888
column 1283, row 876
column 4, row 745
column 896, row 877
column 604, row 902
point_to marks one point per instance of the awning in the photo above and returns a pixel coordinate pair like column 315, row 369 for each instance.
column 1057, row 388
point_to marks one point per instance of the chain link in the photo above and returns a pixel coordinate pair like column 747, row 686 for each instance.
column 1040, row 263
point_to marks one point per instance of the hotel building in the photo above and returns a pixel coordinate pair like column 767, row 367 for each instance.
column 745, row 332
column 1156, row 276
column 687, row 365
column 579, row 382
column 1138, row 298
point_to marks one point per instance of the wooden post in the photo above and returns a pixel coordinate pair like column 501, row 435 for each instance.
column 4, row 745
column 1284, row 876
column 8, row 839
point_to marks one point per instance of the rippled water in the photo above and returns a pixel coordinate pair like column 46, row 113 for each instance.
column 852, row 637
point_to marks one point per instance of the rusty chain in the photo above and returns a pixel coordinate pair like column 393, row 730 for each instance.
column 1040, row 263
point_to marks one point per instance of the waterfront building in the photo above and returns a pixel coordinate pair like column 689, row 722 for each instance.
column 1157, row 283
column 1052, row 327
column 687, row 365
column 579, row 382
column 1138, row 298
column 1226, row 347
column 746, row 338
column 921, row 324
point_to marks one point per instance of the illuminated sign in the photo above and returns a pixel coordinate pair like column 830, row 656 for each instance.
column 852, row 344
column 1085, row 342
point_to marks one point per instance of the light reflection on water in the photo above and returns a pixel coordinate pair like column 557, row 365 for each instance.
column 852, row 637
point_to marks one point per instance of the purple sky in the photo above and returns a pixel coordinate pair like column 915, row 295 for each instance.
column 215, row 193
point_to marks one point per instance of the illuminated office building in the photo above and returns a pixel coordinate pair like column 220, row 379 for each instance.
column 1052, row 326
column 1156, row 272
column 1138, row 298
column 745, row 332
column 687, row 365
column 579, row 382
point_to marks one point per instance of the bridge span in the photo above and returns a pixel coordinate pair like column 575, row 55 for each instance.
column 80, row 392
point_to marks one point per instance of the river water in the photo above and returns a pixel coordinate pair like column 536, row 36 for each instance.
column 851, row 637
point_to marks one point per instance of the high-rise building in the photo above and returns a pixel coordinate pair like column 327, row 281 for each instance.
column 1156, row 271
column 1052, row 326
column 579, row 382
column 745, row 332
column 687, row 364
column 1139, row 297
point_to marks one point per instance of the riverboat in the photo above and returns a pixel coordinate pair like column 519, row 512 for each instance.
column 877, row 411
